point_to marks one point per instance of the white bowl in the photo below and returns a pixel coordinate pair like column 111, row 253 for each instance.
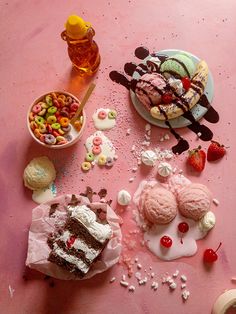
column 74, row 134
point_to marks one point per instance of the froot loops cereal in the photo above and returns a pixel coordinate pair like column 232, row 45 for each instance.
column 49, row 118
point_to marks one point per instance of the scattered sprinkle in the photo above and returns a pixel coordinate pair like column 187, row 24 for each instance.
column 133, row 148
column 166, row 137
column 124, row 283
column 215, row 201
column 131, row 179
column 112, row 279
column 173, row 285
column 131, row 288
column 139, row 266
column 134, row 169
column 183, row 286
column 199, row 134
column 147, row 127
column 152, row 275
column 11, row 291
column 123, row 277
column 136, row 260
column 185, row 295
column 183, row 278
column 128, row 131
column 176, row 273
column 154, row 285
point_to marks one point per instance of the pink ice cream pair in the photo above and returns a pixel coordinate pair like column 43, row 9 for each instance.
column 159, row 205
column 150, row 88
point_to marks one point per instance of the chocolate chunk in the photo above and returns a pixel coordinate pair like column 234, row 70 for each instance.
column 74, row 200
column 53, row 209
column 102, row 193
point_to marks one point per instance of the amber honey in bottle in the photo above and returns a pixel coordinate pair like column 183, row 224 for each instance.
column 82, row 49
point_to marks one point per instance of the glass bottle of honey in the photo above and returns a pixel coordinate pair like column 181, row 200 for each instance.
column 82, row 49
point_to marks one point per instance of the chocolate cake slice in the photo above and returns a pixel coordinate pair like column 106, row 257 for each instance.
column 78, row 245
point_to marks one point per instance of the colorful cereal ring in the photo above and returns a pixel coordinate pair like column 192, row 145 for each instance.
column 61, row 132
column 51, row 119
column 96, row 150
column 112, row 114
column 102, row 160
column 60, row 138
column 77, row 125
column 102, row 114
column 33, row 125
column 66, row 129
column 86, row 166
column 89, row 157
column 64, row 122
column 31, row 116
column 49, row 139
column 74, row 106
column 52, row 109
column 56, row 126
column 39, row 120
column 48, row 100
column 109, row 162
column 42, row 112
column 42, row 128
column 37, row 133
column 36, row 108
column 97, row 141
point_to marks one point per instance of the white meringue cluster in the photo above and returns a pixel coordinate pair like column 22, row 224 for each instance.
column 164, row 169
column 123, row 198
column 149, row 158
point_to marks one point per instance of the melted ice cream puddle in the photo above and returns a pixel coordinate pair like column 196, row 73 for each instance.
column 107, row 147
column 103, row 124
column 152, row 236
column 44, row 195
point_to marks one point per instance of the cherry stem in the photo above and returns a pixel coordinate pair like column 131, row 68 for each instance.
column 218, row 247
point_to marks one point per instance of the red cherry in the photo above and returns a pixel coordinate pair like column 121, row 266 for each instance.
column 167, row 98
column 71, row 241
column 166, row 241
column 186, row 82
column 210, row 255
column 183, row 227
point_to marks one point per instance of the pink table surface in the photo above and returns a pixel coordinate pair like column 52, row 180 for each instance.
column 33, row 61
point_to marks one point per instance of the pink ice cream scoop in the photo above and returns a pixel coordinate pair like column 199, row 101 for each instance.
column 150, row 88
column 158, row 205
column 194, row 201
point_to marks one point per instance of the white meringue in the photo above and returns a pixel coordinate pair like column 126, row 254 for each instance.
column 123, row 198
column 149, row 158
column 164, row 169
column 207, row 222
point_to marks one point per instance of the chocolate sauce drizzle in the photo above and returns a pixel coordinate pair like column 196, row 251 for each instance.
column 211, row 116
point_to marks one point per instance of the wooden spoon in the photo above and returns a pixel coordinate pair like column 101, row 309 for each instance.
column 83, row 102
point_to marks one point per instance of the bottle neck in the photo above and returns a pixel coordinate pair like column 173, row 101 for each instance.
column 84, row 40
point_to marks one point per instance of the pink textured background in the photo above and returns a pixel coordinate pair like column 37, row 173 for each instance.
column 33, row 61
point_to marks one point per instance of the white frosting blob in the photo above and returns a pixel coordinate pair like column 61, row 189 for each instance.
column 123, row 198
column 177, row 85
column 103, row 124
column 207, row 222
column 87, row 217
column 149, row 158
column 164, row 169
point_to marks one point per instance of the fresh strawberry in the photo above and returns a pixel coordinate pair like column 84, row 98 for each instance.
column 197, row 159
column 215, row 151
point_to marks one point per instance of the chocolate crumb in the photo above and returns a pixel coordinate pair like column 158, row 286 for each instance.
column 53, row 209
column 109, row 202
column 74, row 200
column 89, row 193
column 102, row 193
